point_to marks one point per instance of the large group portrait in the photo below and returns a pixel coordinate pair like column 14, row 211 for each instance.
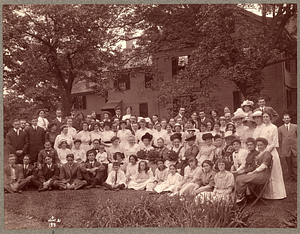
column 149, row 116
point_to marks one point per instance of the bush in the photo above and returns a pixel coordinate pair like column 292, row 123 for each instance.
column 163, row 211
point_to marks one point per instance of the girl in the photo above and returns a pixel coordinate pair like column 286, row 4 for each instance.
column 172, row 180
column 132, row 168
column 161, row 173
column 118, row 157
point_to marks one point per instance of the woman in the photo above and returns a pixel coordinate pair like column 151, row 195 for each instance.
column 151, row 128
column 192, row 175
column 145, row 142
column 224, row 184
column 132, row 168
column 177, row 128
column 248, row 133
column 161, row 173
column 226, row 110
column 214, row 115
column 85, row 137
column 131, row 148
column 216, row 129
column 223, row 123
column 247, row 107
column 172, row 180
column 42, row 121
column 238, row 120
column 206, row 152
column 79, row 120
column 168, row 134
column 71, row 131
column 106, row 117
column 51, row 134
column 276, row 188
column 143, row 179
column 115, row 147
column 163, row 123
column 128, row 111
column 172, row 122
column 63, row 151
column 96, row 133
column 123, row 134
column 118, row 157
column 199, row 141
column 107, row 134
column 177, row 148
column 161, row 149
column 230, row 129
column 63, row 136
column 209, row 126
column 257, row 117
column 79, row 153
column 261, row 173
column 207, row 181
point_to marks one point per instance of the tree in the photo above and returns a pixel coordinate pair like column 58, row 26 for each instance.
column 227, row 42
column 48, row 47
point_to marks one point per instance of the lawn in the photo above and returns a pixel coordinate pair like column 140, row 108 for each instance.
column 32, row 210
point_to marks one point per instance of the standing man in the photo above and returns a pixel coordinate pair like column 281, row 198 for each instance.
column 117, row 115
column 36, row 139
column 203, row 118
column 58, row 119
column 17, row 142
column 263, row 108
column 23, row 125
column 287, row 136
column 181, row 115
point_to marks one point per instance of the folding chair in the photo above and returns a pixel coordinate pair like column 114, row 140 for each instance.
column 259, row 196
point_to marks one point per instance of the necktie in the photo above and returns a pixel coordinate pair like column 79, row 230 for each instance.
column 116, row 177
column 49, row 166
column 287, row 127
column 17, row 132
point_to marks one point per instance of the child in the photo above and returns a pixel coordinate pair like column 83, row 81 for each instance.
column 48, row 151
column 116, row 179
column 206, row 151
column 118, row 156
column 172, row 180
column 102, row 155
column 132, row 168
column 161, row 173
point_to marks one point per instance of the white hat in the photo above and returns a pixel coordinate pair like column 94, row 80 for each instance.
column 257, row 114
column 239, row 114
column 247, row 103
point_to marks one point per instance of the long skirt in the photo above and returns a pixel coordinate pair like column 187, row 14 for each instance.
column 164, row 187
column 148, row 184
column 275, row 188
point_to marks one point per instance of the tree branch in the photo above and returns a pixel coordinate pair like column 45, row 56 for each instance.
column 279, row 61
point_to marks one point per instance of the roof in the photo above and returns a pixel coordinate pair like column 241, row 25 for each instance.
column 81, row 87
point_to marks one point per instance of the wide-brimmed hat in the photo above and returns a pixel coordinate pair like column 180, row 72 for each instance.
column 191, row 138
column 206, row 136
column 176, row 136
column 246, row 119
column 147, row 136
column 239, row 114
column 257, row 114
column 247, row 103
column 230, row 137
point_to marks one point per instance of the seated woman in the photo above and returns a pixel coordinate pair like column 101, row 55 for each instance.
column 224, row 184
column 79, row 154
column 143, row 179
column 172, row 181
column 192, row 175
column 260, row 174
column 207, row 181
column 115, row 147
column 239, row 157
column 118, row 157
column 132, row 168
column 131, row 148
column 206, row 151
column 162, row 149
column 63, row 151
column 176, row 148
column 161, row 173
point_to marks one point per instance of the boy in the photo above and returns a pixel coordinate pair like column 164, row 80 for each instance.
column 239, row 157
column 48, row 151
column 13, row 176
column 116, row 179
column 47, row 174
column 70, row 176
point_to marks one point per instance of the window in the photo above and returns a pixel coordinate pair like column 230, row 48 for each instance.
column 122, row 82
column 148, row 80
column 144, row 109
column 79, row 102
column 179, row 63
column 236, row 99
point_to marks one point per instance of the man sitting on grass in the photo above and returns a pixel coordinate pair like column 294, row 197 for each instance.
column 47, row 174
column 70, row 176
column 13, row 176
column 116, row 179
column 28, row 170
column 48, row 151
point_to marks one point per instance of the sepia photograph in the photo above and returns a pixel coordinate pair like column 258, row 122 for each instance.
column 149, row 115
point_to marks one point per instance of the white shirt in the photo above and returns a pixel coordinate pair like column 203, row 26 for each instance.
column 121, row 178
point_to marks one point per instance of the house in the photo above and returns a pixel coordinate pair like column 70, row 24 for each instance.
column 280, row 85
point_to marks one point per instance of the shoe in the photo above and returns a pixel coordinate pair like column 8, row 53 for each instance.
column 50, row 189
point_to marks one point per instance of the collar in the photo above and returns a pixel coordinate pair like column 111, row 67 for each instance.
column 91, row 161
column 49, row 165
column 16, row 130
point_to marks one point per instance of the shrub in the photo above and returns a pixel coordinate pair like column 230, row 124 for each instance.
column 163, row 211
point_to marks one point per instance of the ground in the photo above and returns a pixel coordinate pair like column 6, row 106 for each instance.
column 32, row 210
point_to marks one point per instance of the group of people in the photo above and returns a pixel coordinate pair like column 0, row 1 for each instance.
column 203, row 155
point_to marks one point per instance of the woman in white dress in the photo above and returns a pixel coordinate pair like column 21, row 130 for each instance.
column 223, row 123
column 79, row 153
column 113, row 148
column 63, row 151
column 172, row 180
column 168, row 134
column 131, row 148
column 143, row 179
column 275, row 188
column 128, row 113
column 42, row 121
column 123, row 134
column 132, row 168
column 96, row 133
column 71, row 131
column 85, row 137
column 63, row 136
column 161, row 173
column 107, row 134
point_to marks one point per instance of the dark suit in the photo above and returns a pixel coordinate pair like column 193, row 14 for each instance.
column 36, row 139
column 115, row 117
column 98, row 177
column 190, row 152
column 44, row 153
column 205, row 120
column 45, row 174
column 184, row 119
column 71, row 175
column 269, row 110
column 59, row 124
column 288, row 146
column 19, row 178
column 16, row 142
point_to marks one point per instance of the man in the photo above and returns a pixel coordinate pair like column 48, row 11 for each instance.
column 155, row 119
column 36, row 139
column 132, row 121
column 13, row 175
column 116, row 179
column 117, row 114
column 17, row 142
column 70, row 176
column 263, row 108
column 287, row 136
column 48, row 151
column 141, row 132
column 47, row 174
column 23, row 125
column 28, row 169
column 58, row 119
column 203, row 118
column 181, row 115
column 227, row 117
column 96, row 146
